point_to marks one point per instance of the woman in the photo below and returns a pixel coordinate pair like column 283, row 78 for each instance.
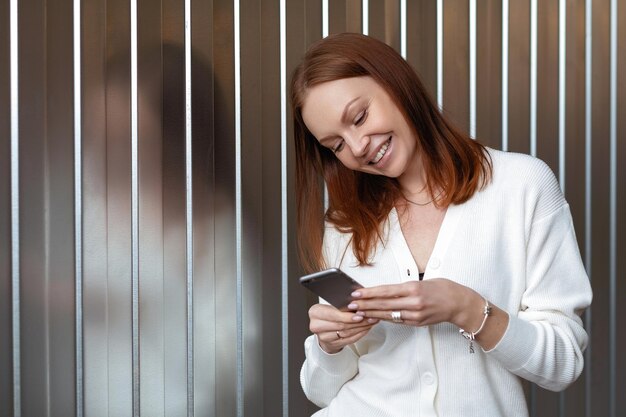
column 472, row 274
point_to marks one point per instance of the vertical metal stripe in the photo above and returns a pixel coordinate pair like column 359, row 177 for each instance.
column 283, row 205
column 505, row 75
column 472, row 68
column 588, row 192
column 533, row 77
column 134, row 205
column 15, row 211
column 562, row 128
column 440, row 53
column 562, row 108
column 613, row 214
column 533, row 134
column 238, row 211
column 78, row 211
column 324, row 18
column 562, row 93
column 189, row 210
column 403, row 28
column 325, row 34
column 365, row 8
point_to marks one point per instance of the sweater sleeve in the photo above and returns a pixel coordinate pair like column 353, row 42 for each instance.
column 323, row 374
column 544, row 341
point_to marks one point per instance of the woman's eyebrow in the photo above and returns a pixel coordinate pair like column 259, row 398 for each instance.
column 344, row 115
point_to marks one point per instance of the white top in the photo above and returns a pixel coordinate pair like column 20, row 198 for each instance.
column 513, row 243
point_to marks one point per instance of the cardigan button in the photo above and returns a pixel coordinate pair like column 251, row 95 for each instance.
column 428, row 378
column 434, row 263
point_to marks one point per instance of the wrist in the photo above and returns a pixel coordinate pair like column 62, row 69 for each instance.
column 469, row 313
column 471, row 334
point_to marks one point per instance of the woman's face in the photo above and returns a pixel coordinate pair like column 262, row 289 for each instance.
column 360, row 123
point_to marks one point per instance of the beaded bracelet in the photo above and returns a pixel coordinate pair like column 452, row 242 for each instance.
column 472, row 335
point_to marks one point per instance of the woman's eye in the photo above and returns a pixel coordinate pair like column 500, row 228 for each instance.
column 338, row 147
column 360, row 118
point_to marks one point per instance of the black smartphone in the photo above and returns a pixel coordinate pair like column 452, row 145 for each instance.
column 333, row 285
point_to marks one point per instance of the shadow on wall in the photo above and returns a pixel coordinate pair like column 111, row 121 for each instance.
column 162, row 211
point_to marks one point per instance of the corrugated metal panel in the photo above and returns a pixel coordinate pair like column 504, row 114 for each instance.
column 146, row 209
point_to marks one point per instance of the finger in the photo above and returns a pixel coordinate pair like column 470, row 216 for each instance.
column 320, row 326
column 354, row 338
column 393, row 290
column 351, row 332
column 332, row 342
column 415, row 317
column 330, row 313
column 349, row 339
column 366, row 323
column 386, row 291
column 408, row 303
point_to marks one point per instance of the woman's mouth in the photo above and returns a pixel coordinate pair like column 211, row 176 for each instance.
column 381, row 152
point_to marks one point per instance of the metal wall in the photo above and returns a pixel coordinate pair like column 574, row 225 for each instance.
column 147, row 262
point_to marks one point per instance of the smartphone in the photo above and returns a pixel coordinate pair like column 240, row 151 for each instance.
column 333, row 285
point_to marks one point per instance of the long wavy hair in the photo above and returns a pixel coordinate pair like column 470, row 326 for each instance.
column 358, row 203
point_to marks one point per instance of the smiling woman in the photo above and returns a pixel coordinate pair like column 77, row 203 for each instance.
column 410, row 196
column 353, row 88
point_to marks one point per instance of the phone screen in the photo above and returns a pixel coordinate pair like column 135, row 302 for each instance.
column 333, row 285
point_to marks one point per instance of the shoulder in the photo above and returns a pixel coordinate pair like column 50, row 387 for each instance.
column 530, row 179
column 511, row 165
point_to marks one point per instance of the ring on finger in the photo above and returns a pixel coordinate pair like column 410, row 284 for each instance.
column 338, row 335
column 396, row 316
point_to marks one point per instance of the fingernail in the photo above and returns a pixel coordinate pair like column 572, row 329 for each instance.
column 372, row 320
column 357, row 318
column 353, row 306
column 360, row 313
column 356, row 294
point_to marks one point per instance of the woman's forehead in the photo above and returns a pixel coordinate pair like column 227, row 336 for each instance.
column 331, row 98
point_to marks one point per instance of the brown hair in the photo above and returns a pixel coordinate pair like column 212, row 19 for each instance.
column 359, row 202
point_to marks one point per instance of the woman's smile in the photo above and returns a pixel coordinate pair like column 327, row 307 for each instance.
column 381, row 152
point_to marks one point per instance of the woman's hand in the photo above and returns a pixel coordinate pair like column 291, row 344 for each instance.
column 421, row 303
column 336, row 329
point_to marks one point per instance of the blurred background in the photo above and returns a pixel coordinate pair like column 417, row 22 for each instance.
column 147, row 247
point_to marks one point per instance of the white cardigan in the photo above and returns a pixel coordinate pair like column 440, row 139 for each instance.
column 512, row 242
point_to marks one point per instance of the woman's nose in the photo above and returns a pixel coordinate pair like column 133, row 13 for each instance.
column 359, row 145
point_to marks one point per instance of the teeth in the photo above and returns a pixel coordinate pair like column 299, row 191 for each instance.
column 381, row 152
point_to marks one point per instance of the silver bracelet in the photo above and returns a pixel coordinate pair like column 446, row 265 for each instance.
column 472, row 335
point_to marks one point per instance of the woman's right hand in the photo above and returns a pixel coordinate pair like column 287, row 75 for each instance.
column 335, row 329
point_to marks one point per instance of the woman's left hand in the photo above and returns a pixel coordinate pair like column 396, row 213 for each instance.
column 421, row 303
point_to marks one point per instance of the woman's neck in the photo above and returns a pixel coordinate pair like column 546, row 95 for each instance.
column 413, row 180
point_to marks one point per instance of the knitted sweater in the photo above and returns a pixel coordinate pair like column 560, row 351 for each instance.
column 514, row 243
